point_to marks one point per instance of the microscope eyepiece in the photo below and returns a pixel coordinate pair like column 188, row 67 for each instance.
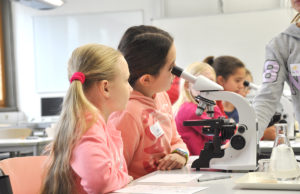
column 177, row 71
column 250, row 85
column 246, row 83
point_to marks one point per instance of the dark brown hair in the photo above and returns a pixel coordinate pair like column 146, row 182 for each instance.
column 145, row 49
column 224, row 65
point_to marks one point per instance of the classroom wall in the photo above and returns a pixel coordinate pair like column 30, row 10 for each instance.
column 154, row 10
column 28, row 96
column 243, row 35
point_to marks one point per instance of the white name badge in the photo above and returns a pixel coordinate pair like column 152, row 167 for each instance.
column 295, row 69
column 156, row 130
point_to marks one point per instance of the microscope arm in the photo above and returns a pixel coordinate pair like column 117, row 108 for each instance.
column 200, row 83
column 247, row 130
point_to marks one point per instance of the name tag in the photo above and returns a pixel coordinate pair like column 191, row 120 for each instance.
column 156, row 130
column 295, row 69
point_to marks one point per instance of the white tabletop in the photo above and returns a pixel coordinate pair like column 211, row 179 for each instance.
column 19, row 142
column 34, row 146
column 266, row 146
column 222, row 186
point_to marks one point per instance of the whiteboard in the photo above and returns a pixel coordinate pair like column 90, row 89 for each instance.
column 243, row 35
column 55, row 37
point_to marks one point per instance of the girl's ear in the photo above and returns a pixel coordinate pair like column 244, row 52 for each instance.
column 103, row 87
column 146, row 79
column 220, row 80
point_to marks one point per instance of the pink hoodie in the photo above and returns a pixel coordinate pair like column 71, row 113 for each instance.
column 97, row 160
column 192, row 135
column 148, row 131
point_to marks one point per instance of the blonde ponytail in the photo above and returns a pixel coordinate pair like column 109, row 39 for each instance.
column 96, row 62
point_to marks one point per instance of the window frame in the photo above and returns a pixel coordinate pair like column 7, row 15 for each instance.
column 2, row 63
column 7, row 58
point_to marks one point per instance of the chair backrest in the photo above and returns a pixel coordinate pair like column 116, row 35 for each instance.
column 11, row 133
column 25, row 173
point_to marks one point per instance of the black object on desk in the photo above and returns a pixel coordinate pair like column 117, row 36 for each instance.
column 276, row 118
column 221, row 129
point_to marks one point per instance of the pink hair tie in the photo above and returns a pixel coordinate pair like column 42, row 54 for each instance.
column 78, row 76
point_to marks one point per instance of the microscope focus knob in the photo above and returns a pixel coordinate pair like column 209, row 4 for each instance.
column 238, row 142
column 242, row 128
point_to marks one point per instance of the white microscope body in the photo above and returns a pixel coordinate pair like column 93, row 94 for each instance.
column 242, row 157
column 245, row 158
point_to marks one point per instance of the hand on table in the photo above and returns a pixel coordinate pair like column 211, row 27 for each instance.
column 171, row 161
column 269, row 133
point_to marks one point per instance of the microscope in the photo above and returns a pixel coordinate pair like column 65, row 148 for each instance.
column 240, row 154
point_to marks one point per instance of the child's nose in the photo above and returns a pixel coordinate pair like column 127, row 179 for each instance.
column 241, row 85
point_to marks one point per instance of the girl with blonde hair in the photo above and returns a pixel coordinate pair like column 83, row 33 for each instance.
column 86, row 155
column 185, row 109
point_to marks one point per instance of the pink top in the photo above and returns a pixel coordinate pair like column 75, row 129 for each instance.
column 97, row 160
column 148, row 131
column 173, row 92
column 192, row 135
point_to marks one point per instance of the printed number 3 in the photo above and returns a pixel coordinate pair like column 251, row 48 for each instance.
column 271, row 70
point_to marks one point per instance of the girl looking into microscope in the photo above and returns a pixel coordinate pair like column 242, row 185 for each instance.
column 231, row 73
column 151, row 140
column 247, row 89
column 185, row 109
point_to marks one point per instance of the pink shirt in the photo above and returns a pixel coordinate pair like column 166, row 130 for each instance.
column 192, row 135
column 97, row 160
column 148, row 131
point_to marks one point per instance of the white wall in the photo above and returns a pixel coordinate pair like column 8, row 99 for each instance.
column 190, row 8
column 29, row 99
column 243, row 35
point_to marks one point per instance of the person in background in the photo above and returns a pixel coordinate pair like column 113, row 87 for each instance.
column 185, row 109
column 282, row 64
column 173, row 92
column 86, row 155
column 151, row 140
column 230, row 72
column 248, row 77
